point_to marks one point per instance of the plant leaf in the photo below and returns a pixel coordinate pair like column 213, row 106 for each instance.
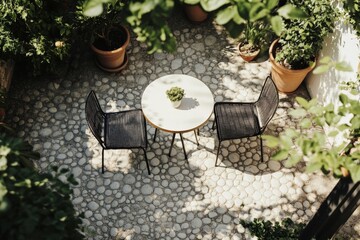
column 303, row 102
column 271, row 141
column 271, row 4
column 321, row 69
column 277, row 24
column 289, row 11
column 280, row 155
column 191, row 2
column 326, row 60
column 313, row 166
column 225, row 15
column 93, row 9
column 343, row 66
column 298, row 113
column 211, row 5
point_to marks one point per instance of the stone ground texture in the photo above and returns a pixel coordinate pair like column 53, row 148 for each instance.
column 181, row 199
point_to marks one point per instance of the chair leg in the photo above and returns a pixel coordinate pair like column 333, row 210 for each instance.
column 218, row 151
column 147, row 162
column 261, row 149
column 102, row 160
column 213, row 126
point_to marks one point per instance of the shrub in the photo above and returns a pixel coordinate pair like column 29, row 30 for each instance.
column 37, row 31
column 34, row 205
column 266, row 230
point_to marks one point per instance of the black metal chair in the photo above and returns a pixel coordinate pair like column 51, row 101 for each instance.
column 235, row 120
column 116, row 130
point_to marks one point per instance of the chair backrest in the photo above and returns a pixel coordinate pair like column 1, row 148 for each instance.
column 94, row 116
column 267, row 103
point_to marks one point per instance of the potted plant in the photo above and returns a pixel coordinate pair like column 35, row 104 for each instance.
column 254, row 26
column 293, row 55
column 175, row 94
column 108, row 38
column 250, row 21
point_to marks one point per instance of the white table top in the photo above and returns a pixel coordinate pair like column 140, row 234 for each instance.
column 195, row 109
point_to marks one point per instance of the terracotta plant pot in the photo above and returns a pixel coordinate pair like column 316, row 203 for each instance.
column 247, row 56
column 114, row 60
column 195, row 13
column 286, row 80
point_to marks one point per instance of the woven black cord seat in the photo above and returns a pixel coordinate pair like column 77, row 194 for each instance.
column 116, row 130
column 235, row 120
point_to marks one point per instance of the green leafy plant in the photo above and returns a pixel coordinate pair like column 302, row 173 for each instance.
column 149, row 18
column 175, row 94
column 38, row 32
column 102, row 29
column 149, row 21
column 250, row 21
column 34, row 205
column 266, row 230
column 302, row 39
column 339, row 158
column 353, row 9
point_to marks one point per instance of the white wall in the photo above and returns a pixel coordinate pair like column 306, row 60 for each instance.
column 341, row 45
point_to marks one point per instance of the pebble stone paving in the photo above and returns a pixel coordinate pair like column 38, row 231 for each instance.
column 181, row 199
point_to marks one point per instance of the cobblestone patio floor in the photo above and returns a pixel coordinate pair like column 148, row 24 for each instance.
column 181, row 199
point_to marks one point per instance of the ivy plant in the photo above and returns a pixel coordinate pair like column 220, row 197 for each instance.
column 338, row 158
column 34, row 205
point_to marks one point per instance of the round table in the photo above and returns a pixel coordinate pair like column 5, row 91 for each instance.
column 195, row 109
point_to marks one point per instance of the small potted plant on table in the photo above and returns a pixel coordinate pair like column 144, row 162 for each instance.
column 175, row 94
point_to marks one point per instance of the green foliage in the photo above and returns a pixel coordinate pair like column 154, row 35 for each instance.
column 175, row 94
column 353, row 87
column 37, row 31
column 34, row 205
column 248, row 18
column 266, row 230
column 148, row 19
column 326, row 63
column 353, row 9
column 306, row 144
column 101, row 27
column 302, row 38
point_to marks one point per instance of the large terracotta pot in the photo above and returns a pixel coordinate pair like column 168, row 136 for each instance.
column 195, row 13
column 286, row 80
column 115, row 60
